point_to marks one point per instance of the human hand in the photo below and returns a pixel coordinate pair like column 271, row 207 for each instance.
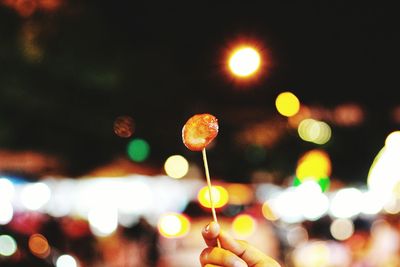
column 233, row 253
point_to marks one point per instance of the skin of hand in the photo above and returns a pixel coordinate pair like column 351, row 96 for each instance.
column 233, row 253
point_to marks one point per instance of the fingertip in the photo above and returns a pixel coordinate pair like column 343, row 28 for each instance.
column 211, row 230
column 214, row 227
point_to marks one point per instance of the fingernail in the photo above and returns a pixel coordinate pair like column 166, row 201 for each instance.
column 239, row 264
column 207, row 229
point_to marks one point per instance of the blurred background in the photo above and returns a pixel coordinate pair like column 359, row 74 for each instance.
column 94, row 95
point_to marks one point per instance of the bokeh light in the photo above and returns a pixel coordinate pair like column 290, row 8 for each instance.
column 239, row 194
column 348, row 115
column 103, row 220
column 392, row 206
column 66, row 261
column 342, row 229
column 173, row 225
column 7, row 189
column 268, row 212
column 321, row 253
column 287, row 206
column 244, row 61
column 372, row 202
column 384, row 173
column 314, row 165
column 313, row 203
column 176, row 166
column 346, row 203
column 138, row 150
column 124, row 126
column 393, row 139
column 314, row 131
column 8, row 246
column 220, row 196
column 34, row 196
column 6, row 212
column 296, row 235
column 39, row 246
column 244, row 225
column 287, row 104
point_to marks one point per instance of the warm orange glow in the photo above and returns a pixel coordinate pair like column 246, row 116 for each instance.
column 173, row 225
column 39, row 246
column 239, row 194
column 348, row 114
column 303, row 113
column 243, row 225
column 219, row 194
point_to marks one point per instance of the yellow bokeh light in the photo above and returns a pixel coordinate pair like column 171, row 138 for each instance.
column 243, row 225
column 176, row 166
column 244, row 61
column 220, row 196
column 314, row 131
column 314, row 164
column 173, row 225
column 287, row 104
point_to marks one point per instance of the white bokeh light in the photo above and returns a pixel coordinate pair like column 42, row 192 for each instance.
column 170, row 224
column 66, row 261
column 245, row 61
column 34, row 196
column 8, row 246
column 7, row 189
column 103, row 220
column 6, row 212
column 342, row 229
column 346, row 203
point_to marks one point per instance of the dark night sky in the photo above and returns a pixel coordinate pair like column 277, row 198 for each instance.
column 161, row 64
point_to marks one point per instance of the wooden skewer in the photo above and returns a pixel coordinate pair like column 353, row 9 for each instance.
column 214, row 214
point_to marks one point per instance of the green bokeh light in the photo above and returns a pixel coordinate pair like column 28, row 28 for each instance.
column 138, row 150
column 323, row 182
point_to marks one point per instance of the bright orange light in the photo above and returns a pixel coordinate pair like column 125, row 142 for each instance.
column 287, row 104
column 243, row 225
column 239, row 194
column 244, row 61
column 219, row 195
column 173, row 225
column 39, row 246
